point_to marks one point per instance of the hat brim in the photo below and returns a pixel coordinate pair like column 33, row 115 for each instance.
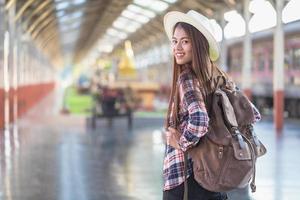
column 173, row 17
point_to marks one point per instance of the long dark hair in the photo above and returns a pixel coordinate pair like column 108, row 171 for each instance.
column 200, row 66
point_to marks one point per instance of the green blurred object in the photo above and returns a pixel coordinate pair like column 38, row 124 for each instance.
column 78, row 103
column 150, row 114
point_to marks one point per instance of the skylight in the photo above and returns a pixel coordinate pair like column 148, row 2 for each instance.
column 158, row 6
column 130, row 20
column 134, row 16
column 70, row 26
column 62, row 5
column 170, row 1
column 142, row 3
column 60, row 13
column 155, row 5
column 132, row 27
column 126, row 24
column 70, row 37
column 107, row 48
column 69, row 21
column 116, row 33
column 71, row 16
column 76, row 2
column 121, row 22
column 140, row 10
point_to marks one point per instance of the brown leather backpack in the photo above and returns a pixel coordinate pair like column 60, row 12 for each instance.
column 225, row 157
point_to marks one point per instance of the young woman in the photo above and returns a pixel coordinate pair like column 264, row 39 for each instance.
column 195, row 50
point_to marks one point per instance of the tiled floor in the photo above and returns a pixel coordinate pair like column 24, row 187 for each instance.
column 53, row 157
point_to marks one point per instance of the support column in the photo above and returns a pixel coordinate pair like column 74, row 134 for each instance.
column 6, row 77
column 223, row 58
column 12, row 64
column 278, row 73
column 246, row 68
column 16, row 67
column 2, row 30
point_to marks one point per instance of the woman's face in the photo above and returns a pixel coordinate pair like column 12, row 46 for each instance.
column 181, row 46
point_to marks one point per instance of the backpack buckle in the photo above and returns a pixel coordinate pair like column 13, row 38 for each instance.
column 238, row 136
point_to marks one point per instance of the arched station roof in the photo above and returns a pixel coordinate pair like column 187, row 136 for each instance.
column 73, row 27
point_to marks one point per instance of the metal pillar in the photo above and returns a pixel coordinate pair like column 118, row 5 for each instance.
column 2, row 20
column 16, row 67
column 6, row 78
column 278, row 73
column 246, row 68
column 223, row 58
column 12, row 62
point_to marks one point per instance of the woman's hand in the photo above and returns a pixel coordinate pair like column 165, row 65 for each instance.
column 172, row 137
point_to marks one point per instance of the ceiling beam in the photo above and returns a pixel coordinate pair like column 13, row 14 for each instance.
column 22, row 9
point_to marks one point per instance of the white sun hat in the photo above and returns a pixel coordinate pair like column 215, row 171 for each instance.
column 200, row 22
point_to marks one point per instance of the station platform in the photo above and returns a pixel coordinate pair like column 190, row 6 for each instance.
column 48, row 156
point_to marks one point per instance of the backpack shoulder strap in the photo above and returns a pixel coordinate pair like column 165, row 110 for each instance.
column 219, row 79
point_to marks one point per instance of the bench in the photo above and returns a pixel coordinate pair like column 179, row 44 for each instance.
column 110, row 116
column 106, row 108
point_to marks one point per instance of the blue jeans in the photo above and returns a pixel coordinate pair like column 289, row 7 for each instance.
column 195, row 192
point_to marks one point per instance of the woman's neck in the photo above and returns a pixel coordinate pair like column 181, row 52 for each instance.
column 186, row 66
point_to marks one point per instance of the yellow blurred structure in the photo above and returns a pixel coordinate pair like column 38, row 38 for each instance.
column 127, row 69
column 127, row 77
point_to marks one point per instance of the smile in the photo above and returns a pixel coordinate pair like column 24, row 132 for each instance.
column 179, row 54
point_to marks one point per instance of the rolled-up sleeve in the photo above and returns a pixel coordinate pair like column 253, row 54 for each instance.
column 198, row 121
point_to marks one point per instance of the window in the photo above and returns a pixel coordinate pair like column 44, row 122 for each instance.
column 235, row 61
column 288, row 59
column 260, row 61
column 296, row 58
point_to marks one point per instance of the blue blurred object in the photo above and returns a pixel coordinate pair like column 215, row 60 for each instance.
column 83, row 84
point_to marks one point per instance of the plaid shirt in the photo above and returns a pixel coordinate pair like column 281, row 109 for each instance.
column 193, row 124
